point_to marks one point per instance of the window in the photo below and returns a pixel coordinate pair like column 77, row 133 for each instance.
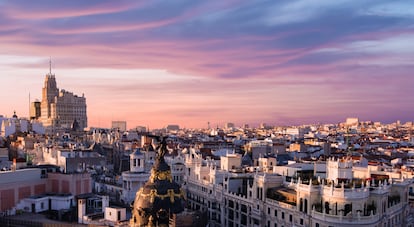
column 327, row 207
column 301, row 221
column 316, row 224
column 306, row 206
column 348, row 208
column 283, row 215
column 243, row 219
column 244, row 208
column 290, row 218
column 275, row 213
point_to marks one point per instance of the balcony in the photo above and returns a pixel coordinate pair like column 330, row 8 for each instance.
column 280, row 204
column 394, row 208
column 255, row 213
column 347, row 193
column 351, row 218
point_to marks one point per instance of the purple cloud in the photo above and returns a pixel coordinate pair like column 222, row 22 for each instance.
column 358, row 53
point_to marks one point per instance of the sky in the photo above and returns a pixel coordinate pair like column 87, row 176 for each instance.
column 189, row 62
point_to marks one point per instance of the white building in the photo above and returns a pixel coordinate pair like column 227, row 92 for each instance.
column 41, row 203
column 297, row 132
column 259, row 148
column 134, row 179
column 89, row 206
column 177, row 164
column 352, row 121
column 257, row 198
column 8, row 127
column 72, row 160
column 115, row 215
column 12, row 125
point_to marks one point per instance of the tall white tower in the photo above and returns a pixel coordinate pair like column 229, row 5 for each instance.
column 137, row 161
column 134, row 179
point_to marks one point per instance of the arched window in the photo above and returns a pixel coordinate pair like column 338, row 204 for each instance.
column 327, row 209
column 348, row 208
column 306, row 205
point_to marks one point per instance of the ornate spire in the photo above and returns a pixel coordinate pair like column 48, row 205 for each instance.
column 160, row 197
column 50, row 65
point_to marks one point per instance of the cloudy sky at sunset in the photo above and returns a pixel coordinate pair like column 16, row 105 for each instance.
column 190, row 62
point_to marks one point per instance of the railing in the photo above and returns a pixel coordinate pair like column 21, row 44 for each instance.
column 355, row 193
column 238, row 196
column 280, row 204
column 256, row 213
column 352, row 218
column 307, row 187
column 394, row 208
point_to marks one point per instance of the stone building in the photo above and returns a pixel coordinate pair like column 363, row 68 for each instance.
column 256, row 196
column 60, row 108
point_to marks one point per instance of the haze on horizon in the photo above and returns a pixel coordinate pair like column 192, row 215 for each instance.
column 192, row 62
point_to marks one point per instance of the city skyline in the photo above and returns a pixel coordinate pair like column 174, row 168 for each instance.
column 189, row 62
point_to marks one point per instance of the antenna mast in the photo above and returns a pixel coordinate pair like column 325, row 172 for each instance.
column 50, row 65
column 29, row 106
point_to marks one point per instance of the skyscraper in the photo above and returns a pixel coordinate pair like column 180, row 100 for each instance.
column 61, row 108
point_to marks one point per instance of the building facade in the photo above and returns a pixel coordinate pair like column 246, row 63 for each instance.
column 60, row 108
column 119, row 125
column 232, row 196
column 134, row 179
column 21, row 184
column 35, row 110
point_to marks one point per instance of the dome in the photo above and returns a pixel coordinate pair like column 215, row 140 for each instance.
column 159, row 198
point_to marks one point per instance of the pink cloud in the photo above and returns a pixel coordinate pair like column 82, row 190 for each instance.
column 55, row 9
column 223, row 64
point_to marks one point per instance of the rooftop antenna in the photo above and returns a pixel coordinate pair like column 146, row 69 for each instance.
column 29, row 105
column 50, row 65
